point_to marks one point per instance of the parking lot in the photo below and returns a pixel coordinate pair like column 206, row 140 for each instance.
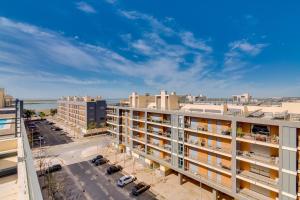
column 79, row 178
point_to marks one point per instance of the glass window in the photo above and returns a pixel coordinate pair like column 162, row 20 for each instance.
column 180, row 162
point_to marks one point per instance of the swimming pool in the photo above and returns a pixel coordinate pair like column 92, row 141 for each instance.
column 3, row 123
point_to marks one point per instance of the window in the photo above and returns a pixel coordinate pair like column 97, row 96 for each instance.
column 180, row 135
column 180, row 162
column 180, row 149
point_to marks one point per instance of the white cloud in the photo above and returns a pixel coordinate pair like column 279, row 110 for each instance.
column 189, row 40
column 85, row 7
column 111, row 1
column 246, row 47
column 237, row 58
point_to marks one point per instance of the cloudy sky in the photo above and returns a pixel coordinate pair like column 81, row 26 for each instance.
column 113, row 47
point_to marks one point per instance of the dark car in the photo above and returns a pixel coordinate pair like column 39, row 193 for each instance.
column 113, row 169
column 101, row 161
column 140, row 188
column 57, row 129
column 53, row 168
column 96, row 158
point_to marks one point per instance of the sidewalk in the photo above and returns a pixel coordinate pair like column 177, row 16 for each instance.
column 164, row 187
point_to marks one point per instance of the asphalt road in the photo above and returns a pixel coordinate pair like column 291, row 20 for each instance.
column 79, row 178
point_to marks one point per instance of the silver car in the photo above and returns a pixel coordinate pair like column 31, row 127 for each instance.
column 124, row 180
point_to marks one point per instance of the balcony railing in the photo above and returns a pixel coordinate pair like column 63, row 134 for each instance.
column 138, row 128
column 142, row 139
column 259, row 137
column 111, row 112
column 267, row 159
column 250, row 194
column 211, row 163
column 165, row 146
column 204, row 144
column 138, row 117
column 165, row 159
column 164, row 121
column 225, row 132
column 209, row 178
column 259, row 178
column 160, row 133
column 112, row 121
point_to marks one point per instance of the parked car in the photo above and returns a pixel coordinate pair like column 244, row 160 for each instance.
column 53, row 168
column 96, row 158
column 113, row 169
column 57, row 129
column 140, row 188
column 124, row 180
column 101, row 161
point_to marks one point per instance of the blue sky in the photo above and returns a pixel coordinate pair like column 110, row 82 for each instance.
column 113, row 47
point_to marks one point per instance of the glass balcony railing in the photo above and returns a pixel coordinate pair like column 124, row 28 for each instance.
column 212, row 179
column 257, row 177
column 259, row 137
column 157, row 144
column 164, row 121
column 225, row 132
column 219, row 165
column 264, row 158
column 204, row 144
column 165, row 134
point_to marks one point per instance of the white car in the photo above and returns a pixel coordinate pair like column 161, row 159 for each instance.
column 124, row 180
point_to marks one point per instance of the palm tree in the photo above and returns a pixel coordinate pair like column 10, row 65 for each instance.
column 42, row 115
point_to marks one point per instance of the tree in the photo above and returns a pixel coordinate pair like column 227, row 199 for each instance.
column 92, row 125
column 28, row 113
column 42, row 115
column 53, row 112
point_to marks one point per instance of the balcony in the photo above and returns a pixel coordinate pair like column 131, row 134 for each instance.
column 138, row 118
column 139, row 148
column 224, row 133
column 163, row 134
column 166, row 147
column 252, row 195
column 210, row 164
column 139, row 138
column 203, row 145
column 259, row 159
column 138, row 128
column 260, row 139
column 166, row 159
column 258, row 179
column 112, row 121
column 165, row 122
column 111, row 112
column 208, row 178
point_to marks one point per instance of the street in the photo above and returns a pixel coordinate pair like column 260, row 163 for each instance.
column 79, row 178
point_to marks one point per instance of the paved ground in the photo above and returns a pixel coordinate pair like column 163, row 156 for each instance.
column 79, row 179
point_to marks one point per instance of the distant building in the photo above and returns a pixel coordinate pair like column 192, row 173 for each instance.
column 82, row 116
column 5, row 100
column 242, row 98
column 193, row 99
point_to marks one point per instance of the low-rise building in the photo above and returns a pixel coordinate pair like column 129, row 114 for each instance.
column 5, row 100
column 242, row 98
column 235, row 151
column 82, row 116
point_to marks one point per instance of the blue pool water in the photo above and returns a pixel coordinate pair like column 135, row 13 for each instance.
column 2, row 123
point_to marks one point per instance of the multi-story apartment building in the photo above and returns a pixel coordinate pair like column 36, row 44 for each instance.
column 237, row 152
column 5, row 100
column 18, row 178
column 82, row 116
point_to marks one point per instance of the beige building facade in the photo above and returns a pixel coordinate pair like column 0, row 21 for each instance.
column 239, row 152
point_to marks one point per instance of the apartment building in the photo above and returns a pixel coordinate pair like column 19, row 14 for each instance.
column 237, row 152
column 18, row 178
column 5, row 100
column 82, row 116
